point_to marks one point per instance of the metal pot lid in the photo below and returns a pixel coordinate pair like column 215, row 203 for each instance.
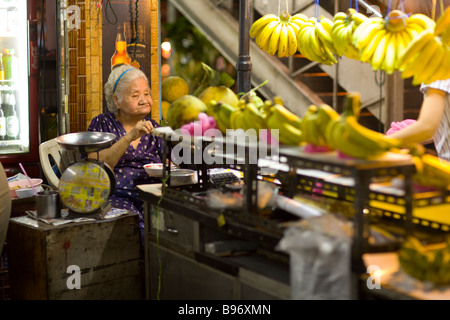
column 86, row 186
column 86, row 142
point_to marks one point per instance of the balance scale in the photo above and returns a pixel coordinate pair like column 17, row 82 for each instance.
column 87, row 184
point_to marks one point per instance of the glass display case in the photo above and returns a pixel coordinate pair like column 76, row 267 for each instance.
column 19, row 64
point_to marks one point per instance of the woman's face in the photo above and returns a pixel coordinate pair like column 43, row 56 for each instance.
column 137, row 100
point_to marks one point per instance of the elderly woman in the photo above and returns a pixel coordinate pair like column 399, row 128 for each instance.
column 129, row 101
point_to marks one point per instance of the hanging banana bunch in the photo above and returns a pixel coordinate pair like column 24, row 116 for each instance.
column 382, row 42
column 344, row 25
column 278, row 34
column 315, row 41
column 427, row 56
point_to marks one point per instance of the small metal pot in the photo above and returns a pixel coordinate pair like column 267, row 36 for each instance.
column 48, row 204
column 181, row 177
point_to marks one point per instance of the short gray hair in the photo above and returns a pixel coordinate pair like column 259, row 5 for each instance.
column 126, row 77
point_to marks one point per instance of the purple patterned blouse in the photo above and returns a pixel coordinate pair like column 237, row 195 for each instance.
column 129, row 171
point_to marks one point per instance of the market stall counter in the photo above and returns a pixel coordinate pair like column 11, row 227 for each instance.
column 75, row 258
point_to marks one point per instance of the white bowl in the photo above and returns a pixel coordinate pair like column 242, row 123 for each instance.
column 155, row 169
column 22, row 188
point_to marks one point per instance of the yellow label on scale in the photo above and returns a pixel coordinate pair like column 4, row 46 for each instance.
column 84, row 187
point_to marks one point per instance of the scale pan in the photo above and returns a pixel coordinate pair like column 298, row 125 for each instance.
column 86, row 142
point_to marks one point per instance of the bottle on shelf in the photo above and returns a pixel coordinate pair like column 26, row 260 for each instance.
column 2, row 121
column 12, row 121
column 14, row 67
column 120, row 56
column 6, row 60
column 2, row 70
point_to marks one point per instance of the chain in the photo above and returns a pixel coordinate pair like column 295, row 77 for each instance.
column 135, row 26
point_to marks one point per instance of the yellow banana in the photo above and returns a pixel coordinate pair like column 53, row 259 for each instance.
column 339, row 16
column 329, row 56
column 259, row 24
column 329, row 133
column 380, row 52
column 224, row 113
column 423, row 21
column 338, row 40
column 444, row 71
column 415, row 47
column 443, row 23
column 345, row 143
column 283, row 50
column 307, row 127
column 305, row 45
column 368, row 51
column 391, row 54
column 274, row 40
column 402, row 42
column 287, row 133
column 323, row 34
column 371, row 139
column 285, row 115
column 435, row 64
column 233, row 117
column 358, row 18
column 366, row 30
column 325, row 114
column 263, row 37
column 253, row 117
column 299, row 16
column 425, row 57
column 292, row 40
column 240, row 121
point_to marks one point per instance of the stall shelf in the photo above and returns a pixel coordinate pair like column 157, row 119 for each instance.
column 250, row 224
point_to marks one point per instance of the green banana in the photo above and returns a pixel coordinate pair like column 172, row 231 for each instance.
column 224, row 112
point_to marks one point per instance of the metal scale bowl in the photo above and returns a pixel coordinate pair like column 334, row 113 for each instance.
column 86, row 185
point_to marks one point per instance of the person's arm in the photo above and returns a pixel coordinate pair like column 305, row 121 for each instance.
column 113, row 154
column 428, row 121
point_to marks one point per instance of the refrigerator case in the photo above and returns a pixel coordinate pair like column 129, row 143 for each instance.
column 19, row 135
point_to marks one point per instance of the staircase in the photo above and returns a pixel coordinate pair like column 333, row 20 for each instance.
column 296, row 79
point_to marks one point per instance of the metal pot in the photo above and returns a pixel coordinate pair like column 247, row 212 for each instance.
column 181, row 177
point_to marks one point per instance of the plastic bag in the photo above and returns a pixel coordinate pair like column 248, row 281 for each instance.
column 320, row 258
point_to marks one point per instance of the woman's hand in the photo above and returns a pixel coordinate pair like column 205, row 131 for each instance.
column 142, row 128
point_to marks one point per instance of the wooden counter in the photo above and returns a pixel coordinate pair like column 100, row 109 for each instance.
column 107, row 253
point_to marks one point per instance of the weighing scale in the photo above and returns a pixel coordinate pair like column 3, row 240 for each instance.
column 86, row 185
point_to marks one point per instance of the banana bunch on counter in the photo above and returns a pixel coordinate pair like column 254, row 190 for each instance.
column 424, row 263
column 314, row 123
column 427, row 56
column 348, row 136
column 432, row 171
column 286, row 122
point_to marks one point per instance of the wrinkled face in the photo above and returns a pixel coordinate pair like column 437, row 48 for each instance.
column 137, row 100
